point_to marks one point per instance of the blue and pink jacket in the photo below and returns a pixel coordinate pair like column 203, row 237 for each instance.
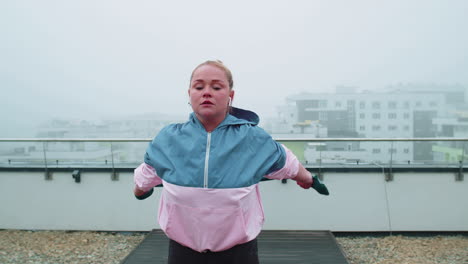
column 211, row 200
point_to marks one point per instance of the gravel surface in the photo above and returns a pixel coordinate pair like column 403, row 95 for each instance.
column 406, row 249
column 65, row 247
column 108, row 247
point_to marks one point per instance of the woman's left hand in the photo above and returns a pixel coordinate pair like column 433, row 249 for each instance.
column 305, row 184
column 303, row 178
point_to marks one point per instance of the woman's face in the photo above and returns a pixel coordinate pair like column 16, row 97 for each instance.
column 209, row 93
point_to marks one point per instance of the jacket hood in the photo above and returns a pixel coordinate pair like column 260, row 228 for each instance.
column 245, row 114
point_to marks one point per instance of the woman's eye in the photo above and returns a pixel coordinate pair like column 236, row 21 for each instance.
column 198, row 87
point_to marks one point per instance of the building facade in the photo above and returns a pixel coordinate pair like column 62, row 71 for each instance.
column 405, row 111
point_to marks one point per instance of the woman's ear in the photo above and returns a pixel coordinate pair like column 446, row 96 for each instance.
column 231, row 96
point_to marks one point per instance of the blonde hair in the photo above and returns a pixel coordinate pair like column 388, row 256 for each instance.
column 220, row 65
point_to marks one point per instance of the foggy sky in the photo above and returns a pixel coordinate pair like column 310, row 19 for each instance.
column 91, row 59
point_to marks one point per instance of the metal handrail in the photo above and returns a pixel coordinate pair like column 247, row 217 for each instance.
column 114, row 176
column 277, row 139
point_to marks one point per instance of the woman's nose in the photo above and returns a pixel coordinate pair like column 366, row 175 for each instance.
column 207, row 92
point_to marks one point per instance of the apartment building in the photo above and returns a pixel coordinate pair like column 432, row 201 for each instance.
column 403, row 111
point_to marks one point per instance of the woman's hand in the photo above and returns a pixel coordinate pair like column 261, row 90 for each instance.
column 138, row 192
column 303, row 178
column 305, row 185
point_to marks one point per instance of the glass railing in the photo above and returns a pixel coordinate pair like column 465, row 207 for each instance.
column 317, row 152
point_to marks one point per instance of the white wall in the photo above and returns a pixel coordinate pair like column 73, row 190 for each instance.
column 417, row 202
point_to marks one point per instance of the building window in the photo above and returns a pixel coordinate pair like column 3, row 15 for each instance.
column 392, row 127
column 375, row 151
column 433, row 104
column 406, row 105
column 418, row 104
column 392, row 115
column 362, row 115
column 376, row 115
column 406, row 128
column 362, row 128
column 362, row 105
column 375, row 105
column 338, row 104
column 392, row 105
column 406, row 115
column 323, row 115
column 406, row 150
column 376, row 128
column 392, row 150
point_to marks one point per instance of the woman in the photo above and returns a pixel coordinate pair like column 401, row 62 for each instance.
column 210, row 167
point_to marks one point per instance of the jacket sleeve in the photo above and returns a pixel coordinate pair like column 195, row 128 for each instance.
column 289, row 170
column 145, row 177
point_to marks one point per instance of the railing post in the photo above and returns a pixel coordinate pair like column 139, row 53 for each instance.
column 459, row 175
column 114, row 175
column 389, row 174
column 47, row 173
column 320, row 174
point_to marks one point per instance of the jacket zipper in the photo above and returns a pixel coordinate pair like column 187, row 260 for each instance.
column 207, row 157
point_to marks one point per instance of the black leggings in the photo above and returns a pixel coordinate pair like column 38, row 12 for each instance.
column 241, row 254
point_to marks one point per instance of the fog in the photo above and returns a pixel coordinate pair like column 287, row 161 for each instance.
column 95, row 59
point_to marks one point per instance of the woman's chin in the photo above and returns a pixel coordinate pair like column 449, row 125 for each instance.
column 210, row 114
